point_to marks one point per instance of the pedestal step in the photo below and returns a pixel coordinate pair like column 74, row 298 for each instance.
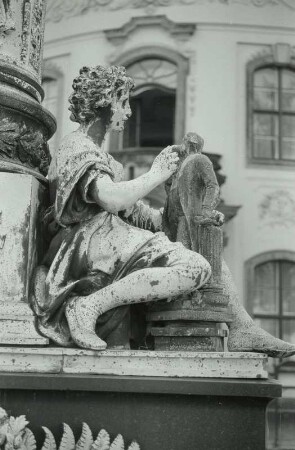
column 137, row 362
column 17, row 325
column 189, row 336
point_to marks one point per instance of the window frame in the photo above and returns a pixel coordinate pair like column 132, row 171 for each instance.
column 250, row 265
column 182, row 64
column 252, row 67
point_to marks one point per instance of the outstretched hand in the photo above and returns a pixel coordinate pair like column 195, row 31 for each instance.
column 165, row 164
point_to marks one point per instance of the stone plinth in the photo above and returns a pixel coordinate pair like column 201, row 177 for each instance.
column 138, row 362
column 160, row 413
column 21, row 200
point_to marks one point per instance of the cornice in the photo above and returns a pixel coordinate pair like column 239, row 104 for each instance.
column 180, row 31
column 58, row 10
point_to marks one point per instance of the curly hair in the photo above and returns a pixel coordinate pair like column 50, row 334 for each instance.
column 94, row 89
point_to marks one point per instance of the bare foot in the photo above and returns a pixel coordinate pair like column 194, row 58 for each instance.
column 82, row 325
column 254, row 339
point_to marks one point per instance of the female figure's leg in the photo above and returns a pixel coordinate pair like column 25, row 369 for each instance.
column 181, row 275
column 244, row 334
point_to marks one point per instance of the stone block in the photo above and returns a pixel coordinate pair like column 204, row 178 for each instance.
column 21, row 199
column 134, row 363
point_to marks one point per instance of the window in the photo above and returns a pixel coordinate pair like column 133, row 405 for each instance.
column 157, row 103
column 272, row 297
column 152, row 104
column 272, row 110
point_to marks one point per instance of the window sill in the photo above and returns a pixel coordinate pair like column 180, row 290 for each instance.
column 270, row 163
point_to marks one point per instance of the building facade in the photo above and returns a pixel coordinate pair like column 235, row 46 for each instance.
column 222, row 68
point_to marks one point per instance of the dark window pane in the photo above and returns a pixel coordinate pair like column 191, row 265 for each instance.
column 152, row 120
column 269, row 325
column 288, row 286
column 288, row 149
column 265, row 148
column 266, row 89
column 288, row 137
column 132, row 126
column 288, row 90
column 265, row 136
column 266, row 78
column 265, row 125
column 289, row 331
column 288, row 126
column 266, row 292
column 265, row 99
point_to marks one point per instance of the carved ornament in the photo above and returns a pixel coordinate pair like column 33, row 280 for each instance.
column 180, row 31
column 60, row 9
column 33, row 33
column 278, row 208
column 20, row 143
column 7, row 22
column 14, row 435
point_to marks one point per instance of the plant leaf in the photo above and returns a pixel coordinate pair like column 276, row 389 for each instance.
column 102, row 441
column 68, row 439
column 49, row 443
column 29, row 440
column 118, row 443
column 86, row 439
column 133, row 446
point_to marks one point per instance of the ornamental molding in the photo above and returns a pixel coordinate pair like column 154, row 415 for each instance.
column 180, row 31
column 7, row 22
column 22, row 143
column 277, row 208
column 58, row 10
column 279, row 53
column 14, row 435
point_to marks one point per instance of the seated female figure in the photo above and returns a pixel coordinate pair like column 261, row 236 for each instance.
column 100, row 259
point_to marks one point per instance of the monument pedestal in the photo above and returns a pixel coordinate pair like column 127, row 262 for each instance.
column 160, row 413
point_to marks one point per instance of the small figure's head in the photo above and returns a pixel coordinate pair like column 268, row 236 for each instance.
column 192, row 143
column 101, row 92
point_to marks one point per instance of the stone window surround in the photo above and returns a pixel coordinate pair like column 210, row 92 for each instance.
column 282, row 55
column 182, row 63
column 270, row 256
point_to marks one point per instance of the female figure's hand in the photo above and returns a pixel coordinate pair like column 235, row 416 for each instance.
column 165, row 164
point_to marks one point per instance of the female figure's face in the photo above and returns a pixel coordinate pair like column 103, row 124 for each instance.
column 121, row 111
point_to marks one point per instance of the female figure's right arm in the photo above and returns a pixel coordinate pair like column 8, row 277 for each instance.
column 115, row 197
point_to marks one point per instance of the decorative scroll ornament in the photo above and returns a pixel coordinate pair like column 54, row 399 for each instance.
column 6, row 17
column 20, row 143
column 278, row 209
column 60, row 9
column 14, row 435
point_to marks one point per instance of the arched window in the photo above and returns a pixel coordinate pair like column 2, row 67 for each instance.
column 272, row 113
column 271, row 294
column 152, row 104
column 158, row 101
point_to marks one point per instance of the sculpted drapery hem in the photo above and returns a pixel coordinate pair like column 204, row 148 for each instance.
column 68, row 270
